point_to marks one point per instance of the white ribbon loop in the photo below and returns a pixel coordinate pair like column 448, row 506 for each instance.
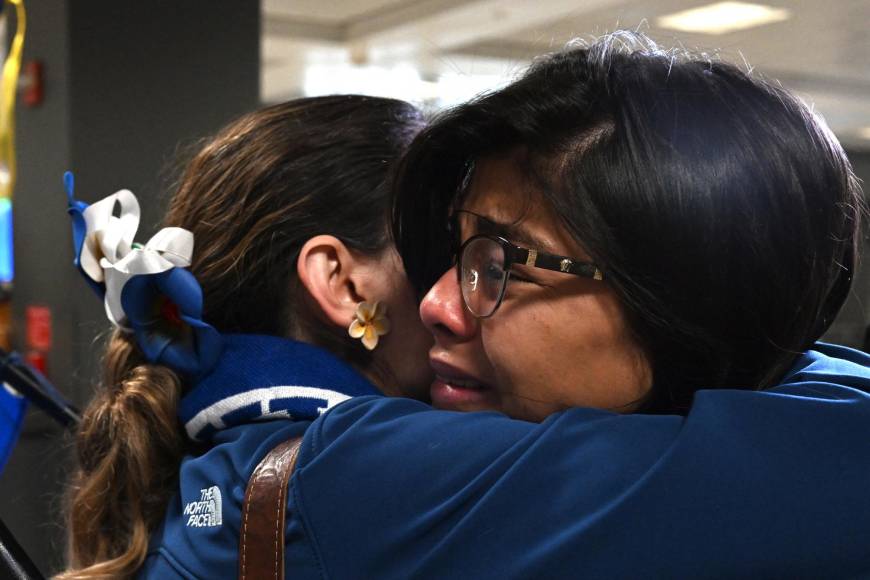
column 108, row 236
column 108, row 253
column 174, row 244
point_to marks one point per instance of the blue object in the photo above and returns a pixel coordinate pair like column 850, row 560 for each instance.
column 76, row 209
column 165, row 311
column 772, row 484
column 279, row 378
column 7, row 261
column 13, row 407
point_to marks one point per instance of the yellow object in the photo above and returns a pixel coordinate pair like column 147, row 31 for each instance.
column 8, row 89
column 370, row 323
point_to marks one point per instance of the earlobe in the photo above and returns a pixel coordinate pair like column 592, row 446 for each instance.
column 327, row 271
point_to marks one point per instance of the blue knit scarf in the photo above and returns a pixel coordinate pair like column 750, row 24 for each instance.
column 265, row 377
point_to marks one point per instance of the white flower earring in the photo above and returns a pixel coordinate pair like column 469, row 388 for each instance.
column 369, row 324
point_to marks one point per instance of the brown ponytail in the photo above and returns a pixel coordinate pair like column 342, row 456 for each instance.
column 129, row 446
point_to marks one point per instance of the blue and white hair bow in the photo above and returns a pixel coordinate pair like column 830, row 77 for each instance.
column 144, row 287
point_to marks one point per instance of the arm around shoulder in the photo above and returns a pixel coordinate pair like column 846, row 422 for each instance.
column 748, row 480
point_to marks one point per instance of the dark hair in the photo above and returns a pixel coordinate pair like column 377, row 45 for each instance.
column 723, row 211
column 252, row 196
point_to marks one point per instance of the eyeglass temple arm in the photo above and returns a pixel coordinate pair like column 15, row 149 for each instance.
column 536, row 259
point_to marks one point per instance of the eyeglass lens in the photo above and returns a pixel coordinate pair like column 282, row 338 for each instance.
column 482, row 275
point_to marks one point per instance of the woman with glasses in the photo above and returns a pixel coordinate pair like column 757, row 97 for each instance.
column 632, row 253
column 628, row 227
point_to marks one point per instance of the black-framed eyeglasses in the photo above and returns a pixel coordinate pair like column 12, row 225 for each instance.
column 485, row 264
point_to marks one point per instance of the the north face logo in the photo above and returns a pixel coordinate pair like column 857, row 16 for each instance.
column 207, row 510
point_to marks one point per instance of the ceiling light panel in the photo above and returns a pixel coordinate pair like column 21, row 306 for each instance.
column 723, row 17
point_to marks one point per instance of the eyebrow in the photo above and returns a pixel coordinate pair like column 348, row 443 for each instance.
column 510, row 231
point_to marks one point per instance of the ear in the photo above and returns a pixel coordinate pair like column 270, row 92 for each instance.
column 331, row 274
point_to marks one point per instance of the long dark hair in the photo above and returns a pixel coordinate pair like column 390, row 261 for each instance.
column 252, row 196
column 724, row 212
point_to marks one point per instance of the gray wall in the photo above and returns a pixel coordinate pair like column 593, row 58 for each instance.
column 126, row 83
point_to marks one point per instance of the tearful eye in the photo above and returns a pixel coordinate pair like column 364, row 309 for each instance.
column 482, row 274
column 494, row 270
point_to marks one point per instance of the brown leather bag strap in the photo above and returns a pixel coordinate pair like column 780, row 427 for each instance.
column 261, row 541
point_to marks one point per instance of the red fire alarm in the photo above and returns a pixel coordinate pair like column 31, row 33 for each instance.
column 38, row 323
column 31, row 84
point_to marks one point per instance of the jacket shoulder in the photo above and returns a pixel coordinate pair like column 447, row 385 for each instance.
column 200, row 531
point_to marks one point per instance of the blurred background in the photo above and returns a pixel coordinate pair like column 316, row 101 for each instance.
column 118, row 91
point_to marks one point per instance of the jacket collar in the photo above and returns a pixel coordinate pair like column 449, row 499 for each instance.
column 262, row 377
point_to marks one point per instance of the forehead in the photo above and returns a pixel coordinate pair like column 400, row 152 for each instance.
column 502, row 191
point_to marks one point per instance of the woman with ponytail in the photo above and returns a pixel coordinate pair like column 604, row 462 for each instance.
column 286, row 202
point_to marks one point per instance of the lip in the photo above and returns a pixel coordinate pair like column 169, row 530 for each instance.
column 456, row 390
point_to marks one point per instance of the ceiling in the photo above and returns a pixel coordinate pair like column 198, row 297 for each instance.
column 439, row 52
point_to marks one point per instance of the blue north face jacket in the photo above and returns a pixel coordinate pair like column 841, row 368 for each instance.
column 772, row 484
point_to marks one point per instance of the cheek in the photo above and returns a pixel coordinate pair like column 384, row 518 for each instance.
column 412, row 326
column 609, row 371
column 520, row 352
column 409, row 347
column 565, row 353
column 407, row 328
column 516, row 343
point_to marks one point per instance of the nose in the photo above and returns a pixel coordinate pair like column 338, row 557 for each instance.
column 443, row 311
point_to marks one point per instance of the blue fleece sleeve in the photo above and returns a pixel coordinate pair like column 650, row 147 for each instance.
column 750, row 484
